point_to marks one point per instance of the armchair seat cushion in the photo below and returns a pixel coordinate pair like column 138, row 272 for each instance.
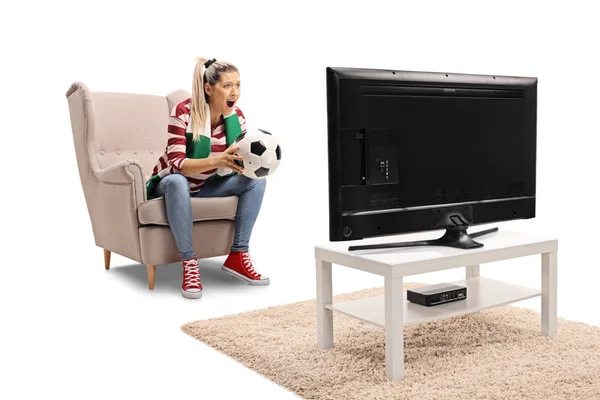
column 152, row 212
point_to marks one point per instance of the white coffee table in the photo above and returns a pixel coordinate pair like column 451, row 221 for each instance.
column 393, row 312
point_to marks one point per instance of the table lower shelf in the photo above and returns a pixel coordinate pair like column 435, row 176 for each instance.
column 482, row 293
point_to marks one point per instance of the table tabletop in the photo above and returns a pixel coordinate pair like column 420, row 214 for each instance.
column 395, row 262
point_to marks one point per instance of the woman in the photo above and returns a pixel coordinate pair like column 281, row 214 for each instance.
column 200, row 161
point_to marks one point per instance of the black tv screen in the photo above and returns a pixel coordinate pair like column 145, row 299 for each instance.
column 409, row 151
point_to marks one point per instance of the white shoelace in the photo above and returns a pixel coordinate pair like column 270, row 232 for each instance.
column 191, row 274
column 249, row 266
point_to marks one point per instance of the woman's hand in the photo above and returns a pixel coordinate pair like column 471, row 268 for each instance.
column 226, row 159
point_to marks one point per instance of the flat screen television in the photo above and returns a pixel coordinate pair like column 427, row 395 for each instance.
column 413, row 151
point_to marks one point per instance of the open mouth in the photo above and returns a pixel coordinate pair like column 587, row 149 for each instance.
column 230, row 103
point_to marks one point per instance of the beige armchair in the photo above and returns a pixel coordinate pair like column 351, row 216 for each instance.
column 118, row 138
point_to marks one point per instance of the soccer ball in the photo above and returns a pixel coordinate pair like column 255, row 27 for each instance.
column 261, row 153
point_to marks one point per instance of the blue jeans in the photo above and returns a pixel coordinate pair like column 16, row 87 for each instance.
column 178, row 206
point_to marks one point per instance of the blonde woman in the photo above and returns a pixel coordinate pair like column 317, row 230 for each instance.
column 199, row 161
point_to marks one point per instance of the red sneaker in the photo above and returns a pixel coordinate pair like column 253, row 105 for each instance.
column 191, row 288
column 239, row 264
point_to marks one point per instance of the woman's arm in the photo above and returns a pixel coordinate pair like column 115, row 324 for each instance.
column 242, row 119
column 176, row 147
column 176, row 141
column 225, row 159
column 193, row 166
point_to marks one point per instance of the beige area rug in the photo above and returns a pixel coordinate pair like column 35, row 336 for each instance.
column 496, row 354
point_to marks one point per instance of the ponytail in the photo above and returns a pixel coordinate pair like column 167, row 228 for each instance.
column 198, row 106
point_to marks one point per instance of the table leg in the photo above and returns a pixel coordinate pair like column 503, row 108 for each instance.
column 472, row 271
column 549, row 290
column 394, row 328
column 324, row 297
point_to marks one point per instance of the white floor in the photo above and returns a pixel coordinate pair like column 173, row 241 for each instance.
column 73, row 329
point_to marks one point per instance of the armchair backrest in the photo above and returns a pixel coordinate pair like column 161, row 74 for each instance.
column 123, row 126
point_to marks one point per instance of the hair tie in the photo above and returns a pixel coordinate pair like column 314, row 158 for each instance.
column 209, row 63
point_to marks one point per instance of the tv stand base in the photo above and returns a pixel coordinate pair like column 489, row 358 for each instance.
column 454, row 237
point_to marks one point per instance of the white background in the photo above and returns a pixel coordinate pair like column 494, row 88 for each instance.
column 74, row 330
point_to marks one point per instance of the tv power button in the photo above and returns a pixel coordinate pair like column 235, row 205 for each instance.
column 347, row 232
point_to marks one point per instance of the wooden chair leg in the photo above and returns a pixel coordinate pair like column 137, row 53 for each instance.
column 151, row 274
column 106, row 259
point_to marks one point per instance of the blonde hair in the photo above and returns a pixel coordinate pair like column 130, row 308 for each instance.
column 200, row 99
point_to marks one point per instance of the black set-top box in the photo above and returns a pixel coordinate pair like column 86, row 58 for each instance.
column 436, row 294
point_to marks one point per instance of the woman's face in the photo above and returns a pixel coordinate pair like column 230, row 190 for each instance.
column 224, row 94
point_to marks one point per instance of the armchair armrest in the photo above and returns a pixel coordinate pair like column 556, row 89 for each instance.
column 126, row 172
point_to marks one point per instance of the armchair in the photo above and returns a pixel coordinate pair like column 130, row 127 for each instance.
column 118, row 138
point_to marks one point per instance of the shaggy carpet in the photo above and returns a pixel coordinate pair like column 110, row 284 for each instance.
column 495, row 354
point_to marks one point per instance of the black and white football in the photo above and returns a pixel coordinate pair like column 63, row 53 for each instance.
column 261, row 152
